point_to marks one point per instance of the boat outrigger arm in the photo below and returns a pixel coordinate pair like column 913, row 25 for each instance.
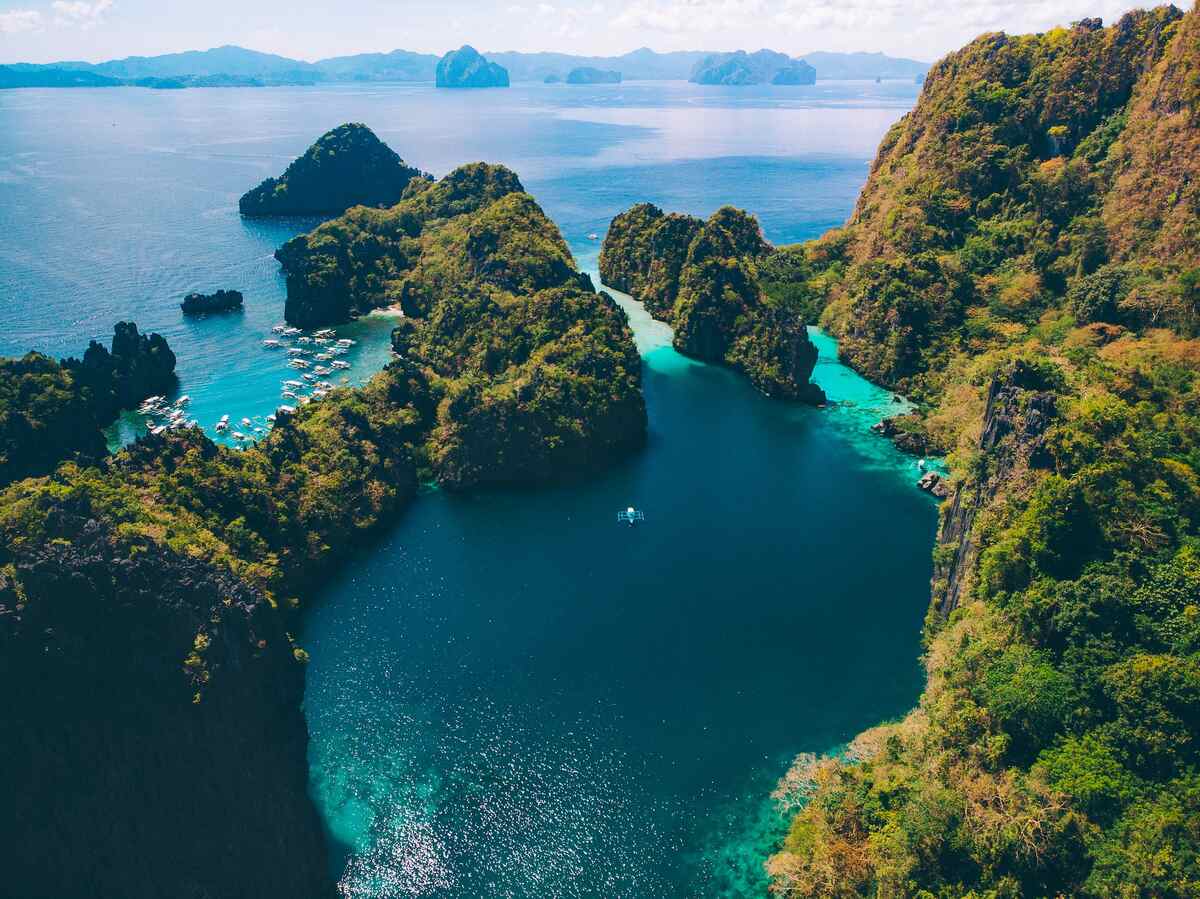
column 631, row 515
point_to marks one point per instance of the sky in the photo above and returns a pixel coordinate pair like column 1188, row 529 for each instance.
column 96, row 30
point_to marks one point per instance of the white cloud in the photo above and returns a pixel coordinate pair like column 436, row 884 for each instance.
column 80, row 13
column 921, row 28
column 18, row 21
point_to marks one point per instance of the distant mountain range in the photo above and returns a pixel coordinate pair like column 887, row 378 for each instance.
column 236, row 66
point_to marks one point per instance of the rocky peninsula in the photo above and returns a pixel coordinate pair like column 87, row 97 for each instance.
column 348, row 166
column 703, row 278
column 466, row 67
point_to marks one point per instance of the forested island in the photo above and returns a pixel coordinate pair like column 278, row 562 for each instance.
column 707, row 279
column 1023, row 262
column 589, row 75
column 348, row 166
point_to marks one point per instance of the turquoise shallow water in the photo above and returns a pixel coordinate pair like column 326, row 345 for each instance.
column 509, row 695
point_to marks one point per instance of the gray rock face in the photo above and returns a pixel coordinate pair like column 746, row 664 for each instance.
column 465, row 67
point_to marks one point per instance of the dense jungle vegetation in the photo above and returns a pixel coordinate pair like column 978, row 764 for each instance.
column 1025, row 262
column 705, row 278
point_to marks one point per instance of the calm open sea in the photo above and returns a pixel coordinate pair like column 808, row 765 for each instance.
column 509, row 694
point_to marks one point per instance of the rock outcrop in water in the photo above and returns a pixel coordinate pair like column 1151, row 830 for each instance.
column 702, row 277
column 51, row 411
column 762, row 67
column 589, row 75
column 348, row 166
column 206, row 303
column 465, row 67
column 1023, row 262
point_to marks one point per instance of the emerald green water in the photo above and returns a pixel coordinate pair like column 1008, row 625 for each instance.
column 514, row 696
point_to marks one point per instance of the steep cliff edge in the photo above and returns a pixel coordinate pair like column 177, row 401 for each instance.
column 702, row 277
column 51, row 411
column 988, row 198
column 1022, row 261
column 117, row 783
column 348, row 166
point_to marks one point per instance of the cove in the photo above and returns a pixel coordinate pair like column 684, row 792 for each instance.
column 512, row 695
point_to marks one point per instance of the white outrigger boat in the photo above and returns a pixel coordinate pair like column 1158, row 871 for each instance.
column 631, row 515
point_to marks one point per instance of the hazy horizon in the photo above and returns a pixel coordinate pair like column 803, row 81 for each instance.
column 98, row 30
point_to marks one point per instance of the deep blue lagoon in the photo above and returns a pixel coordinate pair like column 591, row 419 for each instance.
column 509, row 694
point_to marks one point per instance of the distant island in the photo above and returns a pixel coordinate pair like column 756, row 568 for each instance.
column 231, row 66
column 589, row 75
column 762, row 67
column 348, row 166
column 466, row 67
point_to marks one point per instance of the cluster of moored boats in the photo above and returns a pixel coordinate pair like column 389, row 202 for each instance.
column 163, row 415
column 315, row 356
column 250, row 428
column 317, row 351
